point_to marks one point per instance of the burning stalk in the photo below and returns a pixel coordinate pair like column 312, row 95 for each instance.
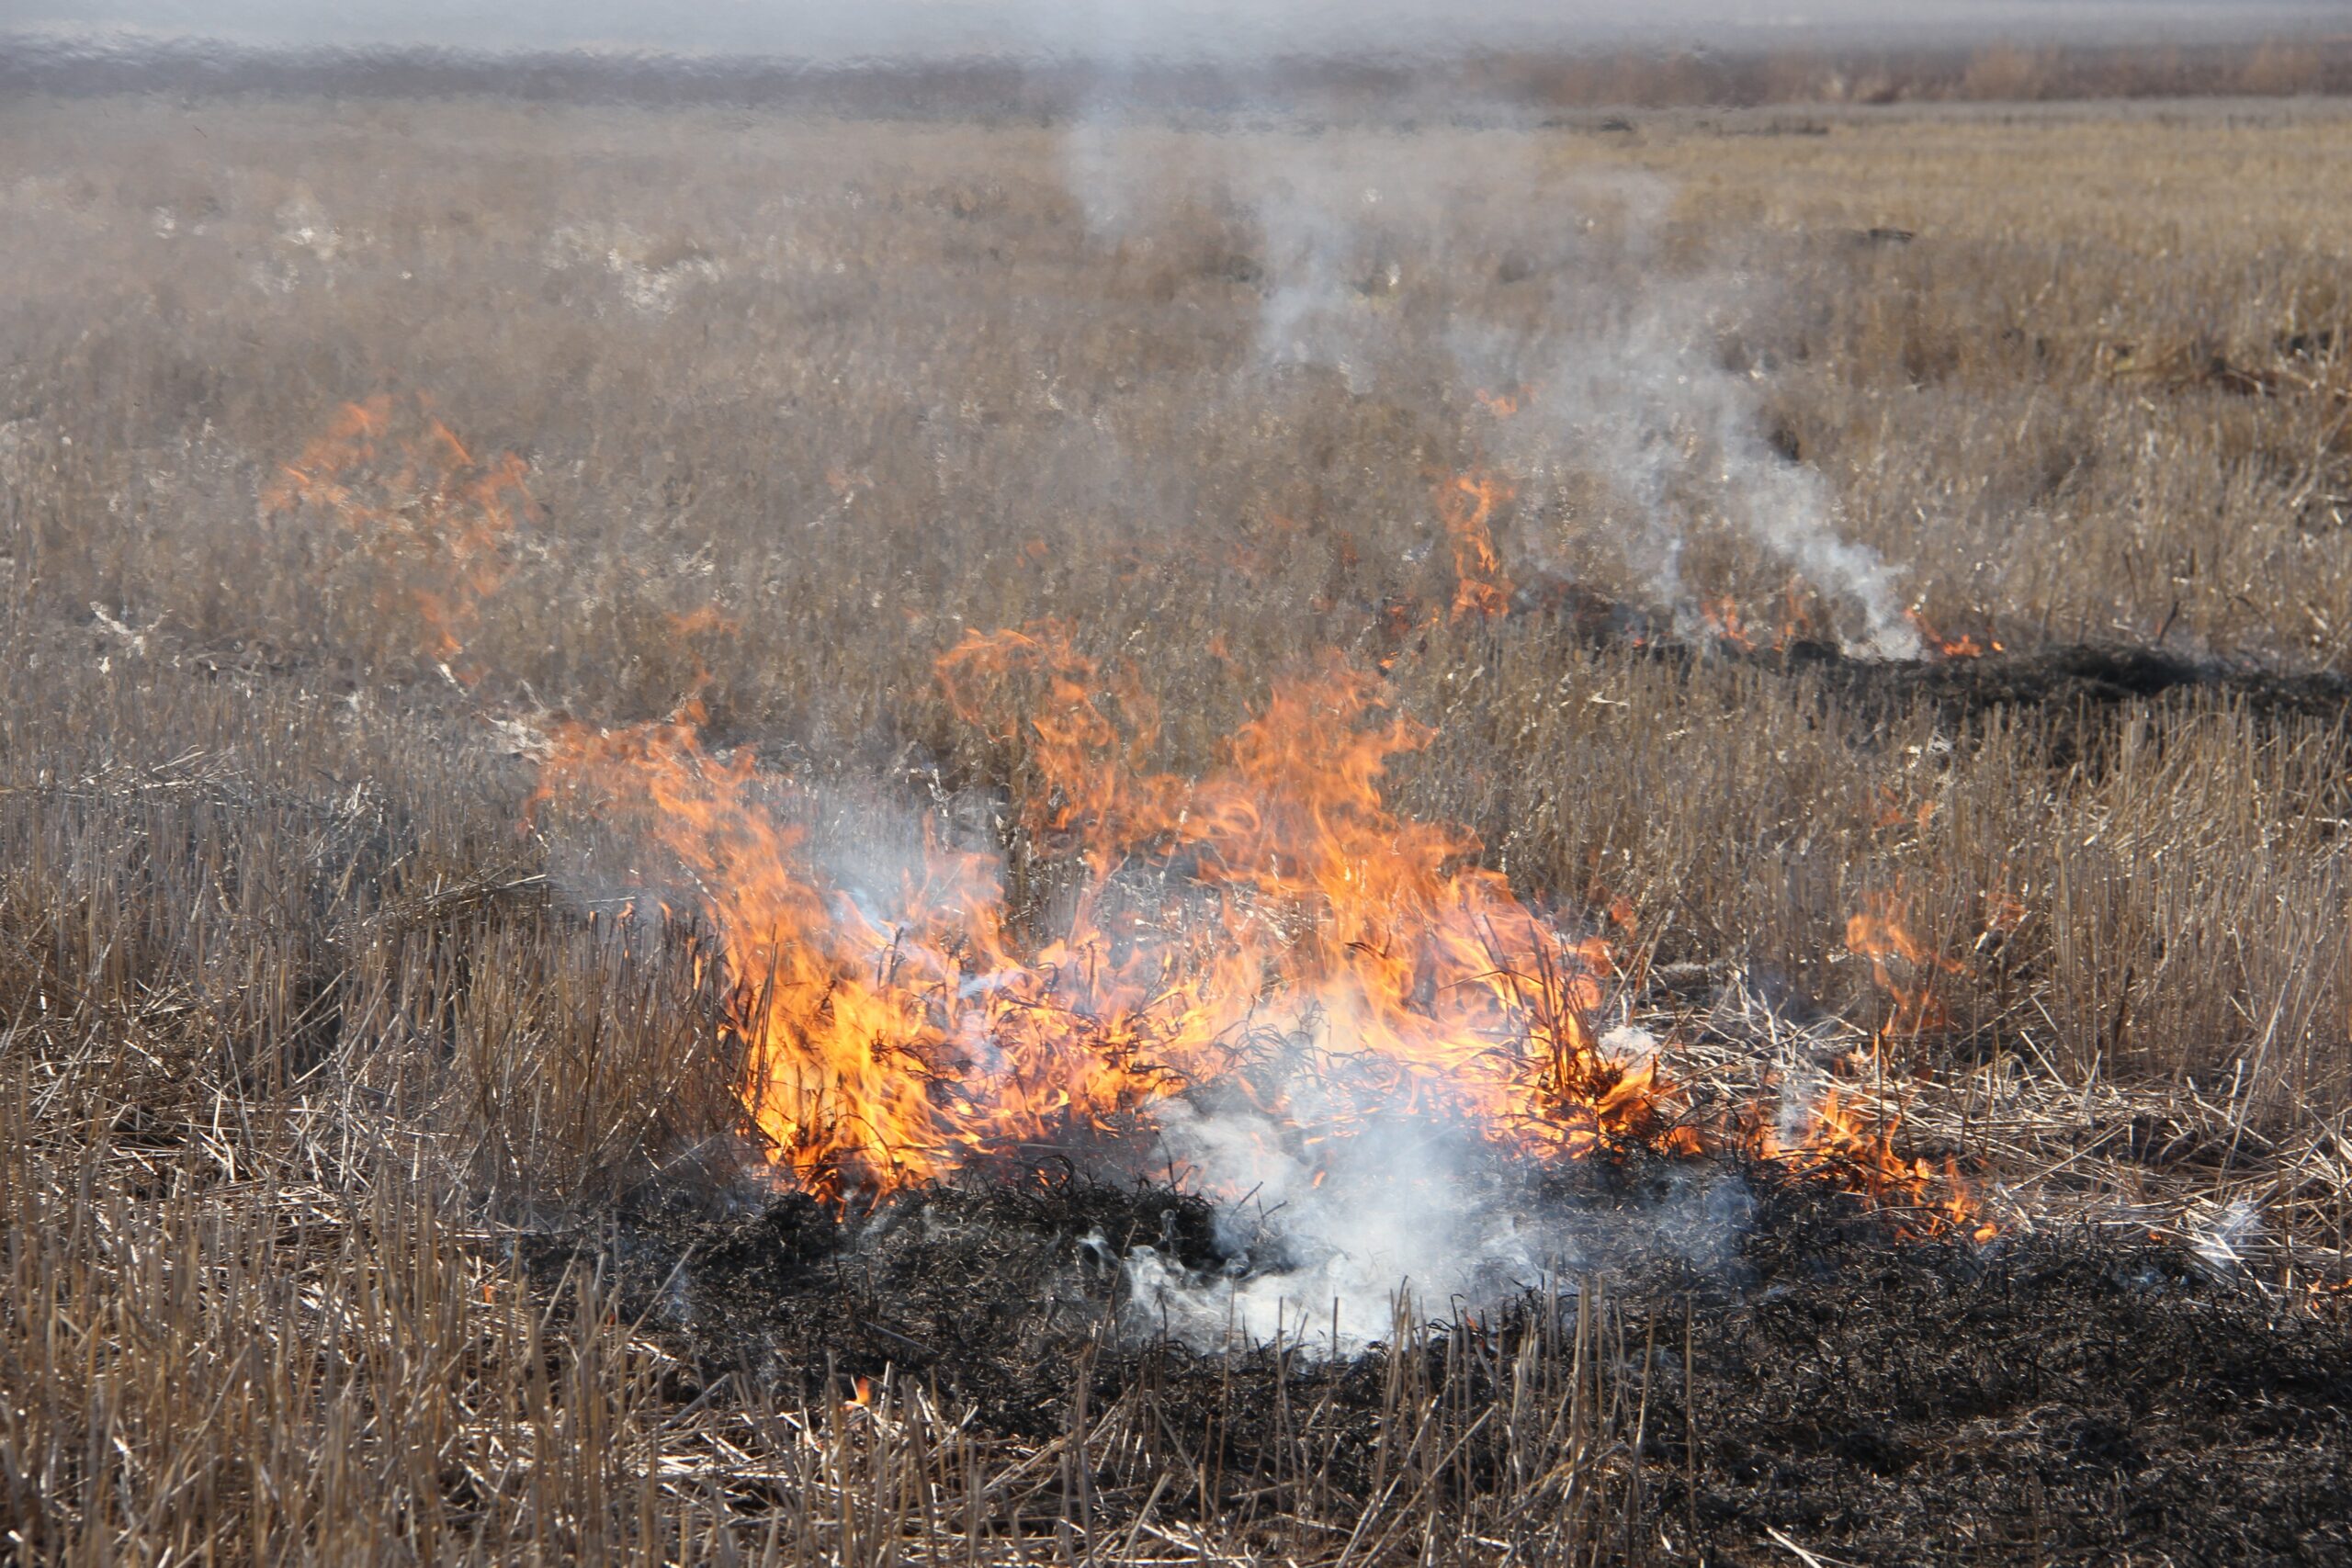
column 890, row 1048
column 1835, row 1138
column 1877, row 933
column 1465, row 506
column 893, row 1035
column 432, row 518
column 1964, row 646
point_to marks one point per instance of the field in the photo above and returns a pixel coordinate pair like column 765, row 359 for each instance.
column 1868, row 590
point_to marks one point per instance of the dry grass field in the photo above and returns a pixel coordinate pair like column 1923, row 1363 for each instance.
column 1772, row 515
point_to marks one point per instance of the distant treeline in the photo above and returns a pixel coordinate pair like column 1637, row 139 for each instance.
column 1475, row 83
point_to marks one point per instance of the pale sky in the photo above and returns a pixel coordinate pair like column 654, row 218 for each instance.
column 1118, row 30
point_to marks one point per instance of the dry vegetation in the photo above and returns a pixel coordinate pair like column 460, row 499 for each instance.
column 302, row 1030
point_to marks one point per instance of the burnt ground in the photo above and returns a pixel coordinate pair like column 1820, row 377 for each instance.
column 2076, row 1395
column 2063, row 1397
column 2092, row 680
column 2074, row 699
column 2077, row 689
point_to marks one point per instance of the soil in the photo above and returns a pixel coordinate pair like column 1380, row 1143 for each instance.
column 2073, row 1395
column 2063, row 1397
column 2089, row 679
column 2074, row 693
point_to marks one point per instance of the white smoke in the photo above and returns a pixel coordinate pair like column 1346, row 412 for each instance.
column 1622, row 375
column 1631, row 387
column 1331, row 1237
column 2224, row 1242
column 1331, row 222
column 1326, row 1243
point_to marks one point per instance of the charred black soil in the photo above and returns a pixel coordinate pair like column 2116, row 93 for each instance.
column 2088, row 679
column 2072, row 1397
column 2075, row 693
column 1820, row 1378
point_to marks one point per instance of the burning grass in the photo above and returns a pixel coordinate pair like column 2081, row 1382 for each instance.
column 611, row 996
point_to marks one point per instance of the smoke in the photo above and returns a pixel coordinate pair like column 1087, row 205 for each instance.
column 1634, row 387
column 881, row 860
column 1328, row 1244
column 1188, row 30
column 1322, row 1243
column 2223, row 1243
column 1322, row 306
column 1625, row 379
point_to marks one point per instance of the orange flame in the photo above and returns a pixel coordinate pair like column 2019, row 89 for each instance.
column 432, row 518
column 1965, row 645
column 1877, row 932
column 1725, row 623
column 1503, row 404
column 2003, row 913
column 1893, row 811
column 894, row 1039
column 900, row 1034
column 1839, row 1143
column 1465, row 506
column 703, row 620
column 1842, row 1144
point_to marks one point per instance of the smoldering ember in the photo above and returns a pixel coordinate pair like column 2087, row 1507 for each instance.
column 1559, row 797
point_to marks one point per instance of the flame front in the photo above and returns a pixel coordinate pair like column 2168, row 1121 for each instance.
column 1274, row 910
column 1275, row 905
column 891, row 1048
column 1878, row 931
column 1965, row 645
column 1465, row 506
column 430, row 517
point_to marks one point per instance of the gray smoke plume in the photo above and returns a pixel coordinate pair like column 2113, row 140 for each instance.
column 1630, row 385
column 1231, row 31
column 1329, row 1238
column 1624, row 377
column 1324, row 1247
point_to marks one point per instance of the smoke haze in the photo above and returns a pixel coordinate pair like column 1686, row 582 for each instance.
column 1109, row 32
column 1329, row 1245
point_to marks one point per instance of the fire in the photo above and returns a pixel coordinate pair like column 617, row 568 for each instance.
column 1441, row 992
column 431, row 517
column 839, row 1008
column 703, row 620
column 2003, row 913
column 1503, row 404
column 1877, row 931
column 1893, row 811
column 1465, row 506
column 897, row 1035
column 1965, row 645
column 1841, row 1136
column 1724, row 622
column 1272, row 911
column 1841, row 1143
column 1838, row 1141
column 900, row 1036
column 1728, row 625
